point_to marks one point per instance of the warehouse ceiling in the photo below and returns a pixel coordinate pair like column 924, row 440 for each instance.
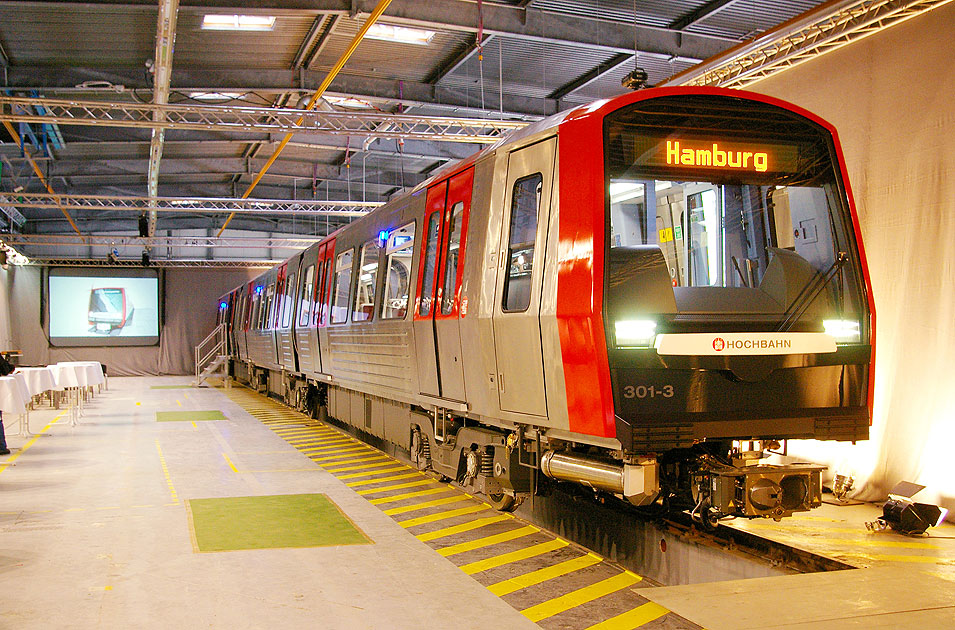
column 510, row 60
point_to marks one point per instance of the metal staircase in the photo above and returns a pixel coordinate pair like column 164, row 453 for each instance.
column 212, row 357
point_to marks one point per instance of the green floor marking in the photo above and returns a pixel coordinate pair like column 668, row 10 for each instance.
column 189, row 416
column 271, row 522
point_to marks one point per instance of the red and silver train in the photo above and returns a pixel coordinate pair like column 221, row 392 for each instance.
column 644, row 296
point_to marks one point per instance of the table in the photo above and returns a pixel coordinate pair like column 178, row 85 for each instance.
column 14, row 398
column 75, row 377
column 38, row 379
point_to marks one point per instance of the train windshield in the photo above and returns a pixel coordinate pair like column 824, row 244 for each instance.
column 106, row 301
column 727, row 210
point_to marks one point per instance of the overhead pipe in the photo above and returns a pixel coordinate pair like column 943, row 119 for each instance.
column 162, row 68
column 382, row 5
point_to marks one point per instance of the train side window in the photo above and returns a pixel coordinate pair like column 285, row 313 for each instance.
column 450, row 274
column 342, row 287
column 367, row 282
column 399, row 252
column 431, row 252
column 522, row 235
column 288, row 305
column 305, row 305
column 252, row 322
column 267, row 303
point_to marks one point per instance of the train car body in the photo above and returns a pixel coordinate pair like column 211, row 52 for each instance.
column 641, row 296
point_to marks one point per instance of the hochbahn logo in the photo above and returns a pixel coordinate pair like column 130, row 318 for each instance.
column 720, row 344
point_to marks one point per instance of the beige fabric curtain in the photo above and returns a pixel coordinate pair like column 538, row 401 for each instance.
column 892, row 98
column 190, row 314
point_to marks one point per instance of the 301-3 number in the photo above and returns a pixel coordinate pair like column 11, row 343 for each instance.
column 647, row 391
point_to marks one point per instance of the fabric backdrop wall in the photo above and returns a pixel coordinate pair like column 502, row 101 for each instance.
column 191, row 300
column 892, row 98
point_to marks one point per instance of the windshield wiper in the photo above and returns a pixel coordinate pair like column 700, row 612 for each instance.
column 809, row 292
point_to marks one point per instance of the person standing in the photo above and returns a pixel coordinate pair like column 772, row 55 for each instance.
column 5, row 368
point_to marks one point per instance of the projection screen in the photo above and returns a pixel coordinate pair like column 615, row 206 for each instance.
column 103, row 307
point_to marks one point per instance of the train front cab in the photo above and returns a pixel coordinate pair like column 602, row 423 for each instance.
column 735, row 303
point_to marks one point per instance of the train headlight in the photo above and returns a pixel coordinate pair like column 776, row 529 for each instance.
column 635, row 332
column 842, row 330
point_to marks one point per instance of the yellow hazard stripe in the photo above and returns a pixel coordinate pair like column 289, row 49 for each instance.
column 422, row 506
column 632, row 618
column 409, row 495
column 487, row 541
column 513, row 556
column 397, row 486
column 374, row 472
column 440, row 516
column 360, row 467
column 366, row 482
column 463, row 527
column 581, row 596
column 542, row 575
column 336, row 466
column 342, row 454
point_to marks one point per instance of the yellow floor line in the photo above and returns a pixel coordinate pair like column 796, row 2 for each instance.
column 894, row 558
column 339, row 453
column 631, row 619
column 319, row 444
column 513, row 556
column 581, row 596
column 398, row 486
column 361, row 467
column 374, row 472
column 427, row 504
column 336, row 466
column 15, row 456
column 410, row 495
column 165, row 472
column 487, row 541
column 440, row 516
column 542, row 575
column 463, row 527
column 366, row 482
column 327, row 444
column 231, row 465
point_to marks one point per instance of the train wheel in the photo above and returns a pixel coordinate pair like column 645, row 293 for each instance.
column 502, row 502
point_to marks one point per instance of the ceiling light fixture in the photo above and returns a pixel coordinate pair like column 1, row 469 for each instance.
column 400, row 34
column 238, row 22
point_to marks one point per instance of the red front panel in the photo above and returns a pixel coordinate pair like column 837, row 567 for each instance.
column 580, row 270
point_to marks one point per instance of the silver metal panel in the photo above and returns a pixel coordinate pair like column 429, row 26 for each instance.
column 286, row 354
column 477, row 289
column 555, row 386
column 262, row 348
column 448, row 335
column 376, row 355
column 520, row 364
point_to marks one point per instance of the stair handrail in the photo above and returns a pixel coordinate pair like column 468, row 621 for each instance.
column 219, row 336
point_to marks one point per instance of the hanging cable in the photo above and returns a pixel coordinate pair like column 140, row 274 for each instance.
column 382, row 5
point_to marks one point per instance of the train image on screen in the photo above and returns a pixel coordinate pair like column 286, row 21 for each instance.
column 644, row 297
column 110, row 309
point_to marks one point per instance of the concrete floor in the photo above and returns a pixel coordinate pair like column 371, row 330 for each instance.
column 94, row 532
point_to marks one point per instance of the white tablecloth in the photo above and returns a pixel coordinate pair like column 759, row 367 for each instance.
column 38, row 379
column 13, row 397
column 94, row 372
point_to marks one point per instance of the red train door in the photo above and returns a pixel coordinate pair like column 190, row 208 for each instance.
column 438, row 307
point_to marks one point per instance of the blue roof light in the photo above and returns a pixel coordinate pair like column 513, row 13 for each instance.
column 382, row 238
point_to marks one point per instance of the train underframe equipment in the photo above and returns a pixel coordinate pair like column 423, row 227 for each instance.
column 645, row 297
